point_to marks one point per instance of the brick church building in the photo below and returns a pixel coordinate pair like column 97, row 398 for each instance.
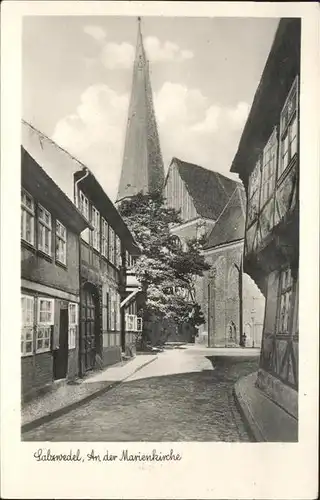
column 214, row 205
column 210, row 203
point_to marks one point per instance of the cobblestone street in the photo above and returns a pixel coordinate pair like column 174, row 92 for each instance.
column 184, row 395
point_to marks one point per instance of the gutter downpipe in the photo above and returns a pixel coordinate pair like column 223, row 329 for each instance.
column 75, row 197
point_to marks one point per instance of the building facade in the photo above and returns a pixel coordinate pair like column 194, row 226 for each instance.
column 108, row 320
column 100, row 250
column 267, row 161
column 213, row 206
column 50, row 287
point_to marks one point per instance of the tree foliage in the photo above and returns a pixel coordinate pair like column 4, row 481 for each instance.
column 166, row 267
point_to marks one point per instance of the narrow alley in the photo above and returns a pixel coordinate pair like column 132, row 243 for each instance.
column 185, row 394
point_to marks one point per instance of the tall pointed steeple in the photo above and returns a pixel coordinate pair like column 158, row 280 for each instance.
column 142, row 166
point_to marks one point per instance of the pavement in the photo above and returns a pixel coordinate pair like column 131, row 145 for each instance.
column 70, row 395
column 184, row 394
column 267, row 420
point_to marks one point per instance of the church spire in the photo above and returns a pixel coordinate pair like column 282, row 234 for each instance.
column 142, row 166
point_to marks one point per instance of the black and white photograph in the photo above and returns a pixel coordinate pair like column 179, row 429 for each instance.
column 159, row 233
column 169, row 273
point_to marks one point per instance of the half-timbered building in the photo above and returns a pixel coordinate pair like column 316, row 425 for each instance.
column 109, row 306
column 50, row 288
column 108, row 319
column 267, row 161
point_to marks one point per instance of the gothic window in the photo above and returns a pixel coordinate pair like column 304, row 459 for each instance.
column 232, row 282
column 232, row 332
column 140, row 62
column 176, row 242
column 220, row 278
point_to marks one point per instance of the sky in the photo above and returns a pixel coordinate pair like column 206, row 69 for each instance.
column 77, row 74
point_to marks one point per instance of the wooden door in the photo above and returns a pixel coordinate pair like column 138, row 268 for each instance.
column 60, row 359
column 90, row 325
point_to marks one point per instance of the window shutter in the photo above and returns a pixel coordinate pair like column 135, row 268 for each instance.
column 56, row 327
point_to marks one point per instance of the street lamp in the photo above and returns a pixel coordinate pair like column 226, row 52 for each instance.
column 239, row 268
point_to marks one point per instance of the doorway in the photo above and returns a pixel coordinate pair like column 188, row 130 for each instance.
column 60, row 361
column 89, row 335
column 231, row 333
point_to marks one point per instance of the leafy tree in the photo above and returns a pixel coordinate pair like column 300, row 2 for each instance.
column 167, row 270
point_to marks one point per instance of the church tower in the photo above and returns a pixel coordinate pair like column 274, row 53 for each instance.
column 142, row 166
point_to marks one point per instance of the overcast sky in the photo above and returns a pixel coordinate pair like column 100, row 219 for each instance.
column 77, row 75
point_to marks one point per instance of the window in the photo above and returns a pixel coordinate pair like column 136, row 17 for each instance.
column 269, row 168
column 254, row 192
column 289, row 128
column 131, row 322
column 118, row 326
column 27, row 326
column 73, row 322
column 111, row 311
column 114, row 312
column 118, row 251
column 45, row 323
column 95, row 220
column 130, row 260
column 36, row 327
column 233, row 282
column 44, row 230
column 61, row 243
column 111, row 245
column 139, row 324
column 176, row 242
column 83, row 204
column 108, row 311
column 104, row 237
column 27, row 217
column 285, row 302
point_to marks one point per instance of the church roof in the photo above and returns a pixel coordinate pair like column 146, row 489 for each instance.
column 209, row 190
column 230, row 226
column 142, row 166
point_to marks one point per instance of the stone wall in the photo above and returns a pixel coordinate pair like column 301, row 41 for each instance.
column 36, row 373
column 218, row 294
